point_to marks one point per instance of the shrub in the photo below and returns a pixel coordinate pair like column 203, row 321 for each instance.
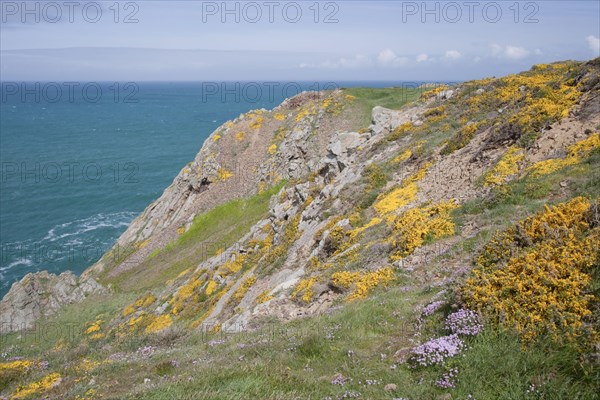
column 362, row 282
column 415, row 226
column 505, row 168
column 536, row 276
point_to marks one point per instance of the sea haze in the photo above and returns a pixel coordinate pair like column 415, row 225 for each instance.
column 77, row 167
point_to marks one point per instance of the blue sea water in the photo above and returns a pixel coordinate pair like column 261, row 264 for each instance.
column 77, row 166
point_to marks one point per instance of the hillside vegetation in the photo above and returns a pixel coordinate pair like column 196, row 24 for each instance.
column 357, row 243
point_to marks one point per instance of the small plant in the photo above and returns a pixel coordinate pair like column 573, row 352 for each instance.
column 464, row 322
column 436, row 351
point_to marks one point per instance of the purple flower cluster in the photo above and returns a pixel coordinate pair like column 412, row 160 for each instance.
column 338, row 379
column 437, row 350
column 432, row 307
column 464, row 322
column 448, row 380
column 146, row 351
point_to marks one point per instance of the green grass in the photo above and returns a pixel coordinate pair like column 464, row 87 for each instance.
column 393, row 98
column 216, row 229
column 497, row 366
column 298, row 360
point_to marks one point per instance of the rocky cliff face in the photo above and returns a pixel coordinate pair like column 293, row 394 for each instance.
column 239, row 159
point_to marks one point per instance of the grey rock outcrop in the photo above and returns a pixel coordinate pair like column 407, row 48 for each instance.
column 42, row 294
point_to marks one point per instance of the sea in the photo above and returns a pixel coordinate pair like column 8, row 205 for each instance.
column 80, row 160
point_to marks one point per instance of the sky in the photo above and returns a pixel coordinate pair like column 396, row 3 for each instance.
column 155, row 40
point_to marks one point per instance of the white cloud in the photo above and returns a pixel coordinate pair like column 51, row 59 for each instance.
column 453, row 55
column 594, row 44
column 515, row 52
column 538, row 52
column 388, row 58
column 510, row 52
column 422, row 57
column 496, row 50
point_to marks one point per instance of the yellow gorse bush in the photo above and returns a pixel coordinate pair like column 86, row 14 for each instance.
column 575, row 154
column 85, row 366
column 535, row 276
column 36, row 388
column 505, row 168
column 241, row 291
column 142, row 302
column 405, row 155
column 159, row 323
column 232, row 266
column 93, row 330
column 531, row 100
column 264, row 297
column 304, row 288
column 415, row 226
column 554, row 222
column 362, row 282
column 401, row 130
column 211, row 287
column 434, row 92
column 185, row 292
column 14, row 368
column 257, row 122
column 407, row 192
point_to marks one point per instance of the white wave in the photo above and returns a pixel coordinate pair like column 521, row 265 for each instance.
column 21, row 261
column 80, row 226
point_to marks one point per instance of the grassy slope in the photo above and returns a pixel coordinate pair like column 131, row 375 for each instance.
column 216, row 229
column 298, row 360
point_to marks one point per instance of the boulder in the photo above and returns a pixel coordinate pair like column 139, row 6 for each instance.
column 42, row 294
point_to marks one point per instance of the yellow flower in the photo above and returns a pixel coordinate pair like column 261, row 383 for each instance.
column 362, row 282
column 506, row 167
column 547, row 280
column 223, row 174
column 43, row 385
column 210, row 288
column 159, row 323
